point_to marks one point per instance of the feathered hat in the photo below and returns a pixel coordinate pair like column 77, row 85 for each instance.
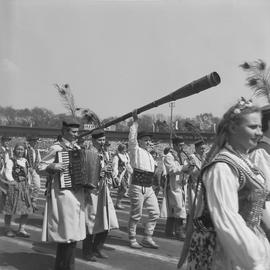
column 68, row 101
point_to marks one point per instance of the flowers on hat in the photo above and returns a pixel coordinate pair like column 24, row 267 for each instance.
column 241, row 105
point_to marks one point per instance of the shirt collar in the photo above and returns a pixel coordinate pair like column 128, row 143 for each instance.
column 69, row 144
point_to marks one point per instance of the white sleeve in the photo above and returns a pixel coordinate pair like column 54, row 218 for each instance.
column 172, row 166
column 8, row 170
column 133, row 145
column 239, row 242
column 115, row 166
column 49, row 158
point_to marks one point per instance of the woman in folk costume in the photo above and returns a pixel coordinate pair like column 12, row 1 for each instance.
column 224, row 230
column 173, row 204
column 64, row 218
column 100, row 212
column 16, row 200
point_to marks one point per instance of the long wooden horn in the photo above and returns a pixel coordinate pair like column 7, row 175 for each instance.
column 190, row 89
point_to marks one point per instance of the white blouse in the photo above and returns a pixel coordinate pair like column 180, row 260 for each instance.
column 9, row 167
column 242, row 248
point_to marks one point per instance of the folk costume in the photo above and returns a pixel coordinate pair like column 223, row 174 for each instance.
column 196, row 165
column 64, row 217
column 16, row 199
column 100, row 213
column 227, row 233
column 33, row 157
column 121, row 173
column 141, row 192
column 173, row 204
column 5, row 153
column 260, row 156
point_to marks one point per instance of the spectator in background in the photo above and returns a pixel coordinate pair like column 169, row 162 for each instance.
column 121, row 173
column 157, row 173
column 174, row 202
column 32, row 155
column 196, row 161
column 5, row 152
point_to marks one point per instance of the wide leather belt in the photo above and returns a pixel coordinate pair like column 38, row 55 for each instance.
column 142, row 178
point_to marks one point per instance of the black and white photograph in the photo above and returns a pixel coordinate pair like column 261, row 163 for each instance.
column 134, row 134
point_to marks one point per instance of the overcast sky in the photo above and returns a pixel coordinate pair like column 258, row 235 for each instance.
column 121, row 55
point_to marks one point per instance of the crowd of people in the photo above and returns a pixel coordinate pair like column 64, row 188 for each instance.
column 214, row 199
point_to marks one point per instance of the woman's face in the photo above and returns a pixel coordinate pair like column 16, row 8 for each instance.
column 246, row 134
column 19, row 151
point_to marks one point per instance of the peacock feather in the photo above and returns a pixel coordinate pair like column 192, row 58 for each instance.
column 89, row 117
column 258, row 78
column 67, row 98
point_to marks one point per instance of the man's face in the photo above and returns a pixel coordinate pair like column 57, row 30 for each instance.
column 145, row 142
column 100, row 142
column 71, row 134
column 33, row 143
column 5, row 143
column 200, row 149
column 179, row 147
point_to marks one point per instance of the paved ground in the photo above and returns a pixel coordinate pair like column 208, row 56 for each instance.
column 31, row 254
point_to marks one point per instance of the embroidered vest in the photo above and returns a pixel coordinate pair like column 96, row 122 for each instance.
column 19, row 170
column 252, row 195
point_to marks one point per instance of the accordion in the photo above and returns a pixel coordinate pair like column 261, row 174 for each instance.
column 79, row 169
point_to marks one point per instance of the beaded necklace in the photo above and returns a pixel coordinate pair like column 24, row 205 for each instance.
column 256, row 171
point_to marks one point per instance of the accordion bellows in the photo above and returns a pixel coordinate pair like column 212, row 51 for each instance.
column 83, row 168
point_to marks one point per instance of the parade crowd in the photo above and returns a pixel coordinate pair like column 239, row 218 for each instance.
column 214, row 199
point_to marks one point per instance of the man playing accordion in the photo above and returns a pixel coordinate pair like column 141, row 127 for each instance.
column 64, row 217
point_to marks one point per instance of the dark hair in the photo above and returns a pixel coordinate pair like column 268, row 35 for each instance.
column 167, row 150
column 121, row 147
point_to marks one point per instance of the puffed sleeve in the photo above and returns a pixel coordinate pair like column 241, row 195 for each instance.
column 8, row 170
column 239, row 242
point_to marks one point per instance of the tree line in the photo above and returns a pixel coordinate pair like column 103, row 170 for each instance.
column 42, row 117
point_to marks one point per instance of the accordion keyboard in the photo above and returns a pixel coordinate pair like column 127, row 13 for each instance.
column 65, row 176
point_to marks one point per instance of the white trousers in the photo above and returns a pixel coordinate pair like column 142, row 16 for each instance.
column 140, row 197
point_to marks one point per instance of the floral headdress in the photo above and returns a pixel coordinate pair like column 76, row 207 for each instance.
column 241, row 105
